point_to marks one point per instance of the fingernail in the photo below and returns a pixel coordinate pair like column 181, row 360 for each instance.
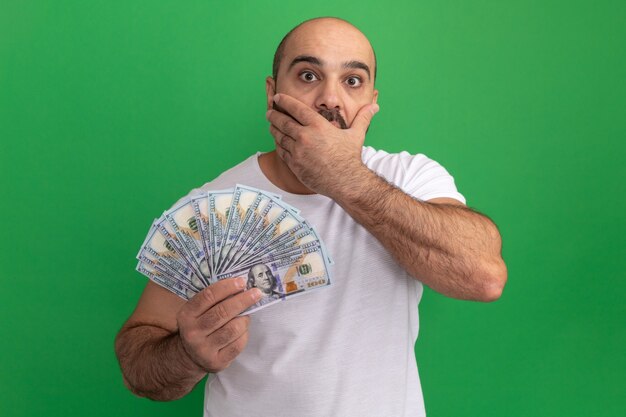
column 267, row 114
column 276, row 97
column 241, row 283
column 375, row 109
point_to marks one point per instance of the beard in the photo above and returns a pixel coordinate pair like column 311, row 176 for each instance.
column 332, row 115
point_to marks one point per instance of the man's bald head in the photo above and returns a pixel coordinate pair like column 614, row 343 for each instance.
column 312, row 24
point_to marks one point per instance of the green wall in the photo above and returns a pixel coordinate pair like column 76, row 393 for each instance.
column 110, row 111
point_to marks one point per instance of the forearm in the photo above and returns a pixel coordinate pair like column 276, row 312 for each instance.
column 154, row 363
column 452, row 249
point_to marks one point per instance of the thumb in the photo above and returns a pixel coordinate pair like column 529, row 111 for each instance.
column 364, row 117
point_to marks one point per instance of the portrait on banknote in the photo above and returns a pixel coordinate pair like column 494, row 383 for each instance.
column 261, row 277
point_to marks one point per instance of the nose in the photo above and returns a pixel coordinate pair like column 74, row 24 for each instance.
column 329, row 96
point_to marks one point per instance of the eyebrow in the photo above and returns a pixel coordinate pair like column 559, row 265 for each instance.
column 357, row 65
column 305, row 58
column 317, row 62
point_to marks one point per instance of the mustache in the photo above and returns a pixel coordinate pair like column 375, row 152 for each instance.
column 332, row 115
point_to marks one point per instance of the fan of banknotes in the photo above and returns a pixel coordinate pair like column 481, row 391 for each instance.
column 236, row 232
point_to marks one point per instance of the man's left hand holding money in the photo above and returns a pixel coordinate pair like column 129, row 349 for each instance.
column 325, row 158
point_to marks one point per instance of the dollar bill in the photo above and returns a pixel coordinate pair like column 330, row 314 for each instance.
column 287, row 253
column 282, row 222
column 183, row 221
column 200, row 205
column 219, row 207
column 281, row 279
column 183, row 276
column 269, row 211
column 244, row 202
column 255, row 214
column 168, row 232
column 157, row 248
column 289, row 238
column 227, row 233
column 165, row 281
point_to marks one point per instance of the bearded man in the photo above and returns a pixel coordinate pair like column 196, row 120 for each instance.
column 392, row 223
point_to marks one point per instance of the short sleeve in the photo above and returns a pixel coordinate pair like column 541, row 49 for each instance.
column 416, row 175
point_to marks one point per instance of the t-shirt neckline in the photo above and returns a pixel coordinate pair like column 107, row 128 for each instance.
column 275, row 188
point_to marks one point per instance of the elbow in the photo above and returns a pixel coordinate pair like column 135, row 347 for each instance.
column 493, row 282
column 144, row 378
column 131, row 373
column 150, row 392
column 133, row 388
column 162, row 395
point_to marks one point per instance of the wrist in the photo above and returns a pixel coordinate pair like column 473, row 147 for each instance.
column 354, row 182
column 345, row 179
column 186, row 358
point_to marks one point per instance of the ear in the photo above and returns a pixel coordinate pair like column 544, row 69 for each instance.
column 270, row 90
column 375, row 98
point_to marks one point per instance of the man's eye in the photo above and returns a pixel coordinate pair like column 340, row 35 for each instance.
column 308, row 76
column 354, row 81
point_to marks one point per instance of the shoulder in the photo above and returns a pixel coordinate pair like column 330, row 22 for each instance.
column 239, row 174
column 389, row 163
column 417, row 175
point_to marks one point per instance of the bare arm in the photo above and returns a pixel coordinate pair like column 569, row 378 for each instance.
column 452, row 249
column 168, row 345
column 154, row 363
column 449, row 247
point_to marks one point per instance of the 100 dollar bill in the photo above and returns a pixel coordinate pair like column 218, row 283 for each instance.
column 283, row 278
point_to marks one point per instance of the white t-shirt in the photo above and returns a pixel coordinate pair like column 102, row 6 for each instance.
column 345, row 350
